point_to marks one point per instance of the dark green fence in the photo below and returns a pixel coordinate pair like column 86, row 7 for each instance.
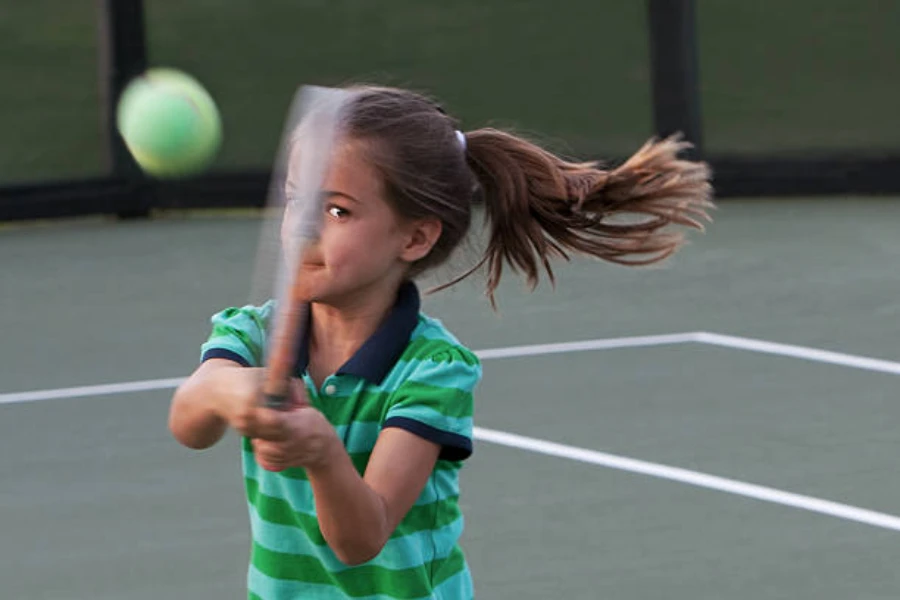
column 793, row 97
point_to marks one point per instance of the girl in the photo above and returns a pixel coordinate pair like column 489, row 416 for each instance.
column 354, row 490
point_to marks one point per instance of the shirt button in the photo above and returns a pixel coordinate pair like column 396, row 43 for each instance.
column 330, row 389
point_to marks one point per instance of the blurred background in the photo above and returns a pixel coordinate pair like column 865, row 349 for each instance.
column 109, row 277
column 783, row 98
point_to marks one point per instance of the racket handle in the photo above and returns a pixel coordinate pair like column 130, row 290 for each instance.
column 275, row 391
column 277, row 384
column 275, row 401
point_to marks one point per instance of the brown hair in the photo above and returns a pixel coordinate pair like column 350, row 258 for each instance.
column 538, row 206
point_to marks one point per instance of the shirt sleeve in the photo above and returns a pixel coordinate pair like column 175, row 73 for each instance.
column 435, row 401
column 238, row 334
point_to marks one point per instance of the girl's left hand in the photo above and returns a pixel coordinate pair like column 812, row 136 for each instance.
column 300, row 436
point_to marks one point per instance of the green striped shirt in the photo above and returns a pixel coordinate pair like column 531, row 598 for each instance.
column 413, row 374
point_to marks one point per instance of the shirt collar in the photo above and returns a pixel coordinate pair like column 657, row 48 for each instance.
column 377, row 356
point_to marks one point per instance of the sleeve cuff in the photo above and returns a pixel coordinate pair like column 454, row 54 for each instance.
column 226, row 354
column 454, row 447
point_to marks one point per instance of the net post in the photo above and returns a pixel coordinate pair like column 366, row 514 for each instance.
column 674, row 70
column 122, row 56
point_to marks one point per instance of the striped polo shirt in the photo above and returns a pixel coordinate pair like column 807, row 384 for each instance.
column 412, row 374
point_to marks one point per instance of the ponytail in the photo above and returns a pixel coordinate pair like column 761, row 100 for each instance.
column 540, row 207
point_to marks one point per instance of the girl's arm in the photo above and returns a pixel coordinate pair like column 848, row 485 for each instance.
column 357, row 515
column 211, row 397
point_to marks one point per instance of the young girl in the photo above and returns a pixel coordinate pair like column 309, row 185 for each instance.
column 353, row 491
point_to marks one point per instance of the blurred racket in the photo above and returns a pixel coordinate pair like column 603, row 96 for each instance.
column 304, row 155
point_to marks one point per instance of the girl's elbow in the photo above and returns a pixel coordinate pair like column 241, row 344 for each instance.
column 188, row 429
column 195, row 436
column 185, row 436
column 356, row 552
column 190, row 440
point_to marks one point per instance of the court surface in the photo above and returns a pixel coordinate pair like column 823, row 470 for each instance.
column 722, row 427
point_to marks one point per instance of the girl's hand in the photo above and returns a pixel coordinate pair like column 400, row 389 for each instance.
column 239, row 401
column 237, row 398
column 300, row 436
column 219, row 394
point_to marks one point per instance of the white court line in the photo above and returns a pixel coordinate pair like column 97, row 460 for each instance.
column 603, row 344
column 92, row 390
column 701, row 337
column 803, row 352
column 509, row 352
column 695, row 478
column 622, row 463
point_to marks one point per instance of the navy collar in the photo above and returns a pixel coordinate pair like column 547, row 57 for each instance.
column 377, row 356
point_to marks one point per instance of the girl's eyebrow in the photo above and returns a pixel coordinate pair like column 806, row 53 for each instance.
column 328, row 194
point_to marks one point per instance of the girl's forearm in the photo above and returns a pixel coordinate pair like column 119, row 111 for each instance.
column 193, row 420
column 352, row 516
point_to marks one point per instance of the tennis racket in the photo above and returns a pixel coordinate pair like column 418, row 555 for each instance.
column 293, row 221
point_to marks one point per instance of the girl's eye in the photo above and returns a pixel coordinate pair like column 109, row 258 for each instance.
column 337, row 212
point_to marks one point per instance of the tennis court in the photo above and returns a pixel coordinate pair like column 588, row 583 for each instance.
column 713, row 365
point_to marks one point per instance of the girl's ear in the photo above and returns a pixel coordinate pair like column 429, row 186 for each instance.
column 423, row 234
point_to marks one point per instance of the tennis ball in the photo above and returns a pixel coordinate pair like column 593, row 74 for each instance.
column 169, row 122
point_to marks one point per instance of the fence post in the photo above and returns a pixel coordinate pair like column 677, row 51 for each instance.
column 123, row 55
column 675, row 72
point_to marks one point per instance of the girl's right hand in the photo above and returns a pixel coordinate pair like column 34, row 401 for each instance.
column 238, row 398
column 218, row 395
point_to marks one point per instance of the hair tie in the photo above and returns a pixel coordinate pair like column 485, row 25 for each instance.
column 461, row 138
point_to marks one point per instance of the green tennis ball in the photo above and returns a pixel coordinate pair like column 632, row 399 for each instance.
column 170, row 123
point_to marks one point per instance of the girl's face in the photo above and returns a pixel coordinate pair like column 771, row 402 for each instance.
column 364, row 244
